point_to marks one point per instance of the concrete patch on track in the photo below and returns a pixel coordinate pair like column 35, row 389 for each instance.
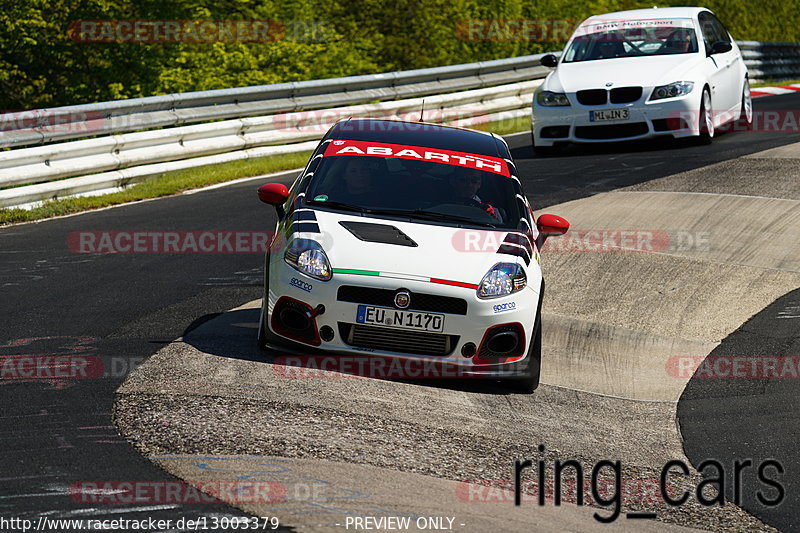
column 330, row 496
column 715, row 260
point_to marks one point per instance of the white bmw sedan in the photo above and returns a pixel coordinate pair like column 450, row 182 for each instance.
column 640, row 74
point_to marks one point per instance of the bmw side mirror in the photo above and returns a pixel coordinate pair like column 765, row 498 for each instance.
column 274, row 194
column 721, row 47
column 549, row 60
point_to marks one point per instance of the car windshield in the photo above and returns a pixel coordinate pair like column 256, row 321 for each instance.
column 626, row 39
column 420, row 189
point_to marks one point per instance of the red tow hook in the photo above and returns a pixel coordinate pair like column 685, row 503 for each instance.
column 318, row 310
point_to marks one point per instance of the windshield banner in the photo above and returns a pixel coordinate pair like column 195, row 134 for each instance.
column 420, row 153
column 605, row 25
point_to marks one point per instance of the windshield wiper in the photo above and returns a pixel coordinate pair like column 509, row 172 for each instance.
column 420, row 213
column 339, row 205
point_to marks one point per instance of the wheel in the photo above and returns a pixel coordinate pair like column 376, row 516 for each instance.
column 543, row 151
column 706, row 119
column 746, row 113
column 530, row 369
column 264, row 334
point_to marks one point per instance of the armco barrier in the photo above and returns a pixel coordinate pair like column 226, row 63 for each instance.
column 137, row 139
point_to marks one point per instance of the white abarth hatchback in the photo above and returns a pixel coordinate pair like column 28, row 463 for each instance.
column 640, row 74
column 410, row 241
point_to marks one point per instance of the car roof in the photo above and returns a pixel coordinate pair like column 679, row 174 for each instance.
column 420, row 134
column 653, row 13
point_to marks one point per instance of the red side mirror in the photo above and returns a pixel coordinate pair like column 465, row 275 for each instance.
column 552, row 225
column 273, row 193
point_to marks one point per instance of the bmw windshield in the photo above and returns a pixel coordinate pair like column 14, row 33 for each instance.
column 610, row 40
column 417, row 182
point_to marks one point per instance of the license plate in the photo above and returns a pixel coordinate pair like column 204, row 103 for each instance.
column 609, row 114
column 397, row 318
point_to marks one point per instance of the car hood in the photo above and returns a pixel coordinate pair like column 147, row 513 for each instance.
column 441, row 252
column 623, row 72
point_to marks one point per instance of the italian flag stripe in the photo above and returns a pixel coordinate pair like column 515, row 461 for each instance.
column 357, row 272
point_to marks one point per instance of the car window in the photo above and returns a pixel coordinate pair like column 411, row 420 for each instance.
column 709, row 29
column 389, row 183
column 631, row 39
column 719, row 29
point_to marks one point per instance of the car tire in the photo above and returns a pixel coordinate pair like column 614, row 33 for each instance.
column 706, row 119
column 746, row 112
column 530, row 369
column 543, row 151
column 265, row 336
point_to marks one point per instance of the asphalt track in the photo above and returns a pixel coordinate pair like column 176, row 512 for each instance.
column 122, row 308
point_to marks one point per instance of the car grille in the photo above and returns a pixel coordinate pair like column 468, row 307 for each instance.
column 385, row 298
column 624, row 95
column 611, row 131
column 397, row 340
column 592, row 97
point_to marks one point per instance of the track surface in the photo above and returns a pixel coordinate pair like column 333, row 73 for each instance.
column 129, row 305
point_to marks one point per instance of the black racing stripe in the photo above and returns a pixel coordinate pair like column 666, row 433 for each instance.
column 515, row 250
column 306, row 227
column 305, row 215
column 522, row 240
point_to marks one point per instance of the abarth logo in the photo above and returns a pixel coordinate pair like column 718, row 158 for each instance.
column 402, row 300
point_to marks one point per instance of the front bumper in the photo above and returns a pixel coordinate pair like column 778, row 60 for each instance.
column 479, row 316
column 677, row 117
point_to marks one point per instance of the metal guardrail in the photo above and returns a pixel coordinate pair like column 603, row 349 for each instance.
column 771, row 61
column 264, row 120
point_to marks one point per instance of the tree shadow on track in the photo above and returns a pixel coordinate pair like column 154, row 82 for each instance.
column 234, row 335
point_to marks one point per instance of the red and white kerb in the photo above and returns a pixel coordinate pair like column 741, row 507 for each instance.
column 419, row 153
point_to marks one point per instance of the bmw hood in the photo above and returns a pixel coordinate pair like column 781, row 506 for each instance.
column 419, row 251
column 623, row 72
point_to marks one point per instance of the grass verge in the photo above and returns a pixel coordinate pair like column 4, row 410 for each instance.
column 178, row 181
column 774, row 83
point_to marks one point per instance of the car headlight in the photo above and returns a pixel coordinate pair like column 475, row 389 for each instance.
column 308, row 257
column 678, row 88
column 501, row 280
column 551, row 99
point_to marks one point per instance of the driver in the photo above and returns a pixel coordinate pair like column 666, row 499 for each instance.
column 465, row 187
column 680, row 42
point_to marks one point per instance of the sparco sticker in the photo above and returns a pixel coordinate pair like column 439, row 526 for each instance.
column 419, row 153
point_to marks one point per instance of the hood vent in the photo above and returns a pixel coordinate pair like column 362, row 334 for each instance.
column 382, row 233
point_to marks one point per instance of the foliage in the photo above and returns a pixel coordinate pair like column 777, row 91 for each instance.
column 41, row 63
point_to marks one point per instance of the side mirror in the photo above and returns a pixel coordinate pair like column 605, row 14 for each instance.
column 549, row 60
column 549, row 225
column 721, row 47
column 274, row 194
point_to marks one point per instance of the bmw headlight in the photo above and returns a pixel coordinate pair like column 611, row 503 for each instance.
column 501, row 280
column 551, row 99
column 308, row 257
column 678, row 88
